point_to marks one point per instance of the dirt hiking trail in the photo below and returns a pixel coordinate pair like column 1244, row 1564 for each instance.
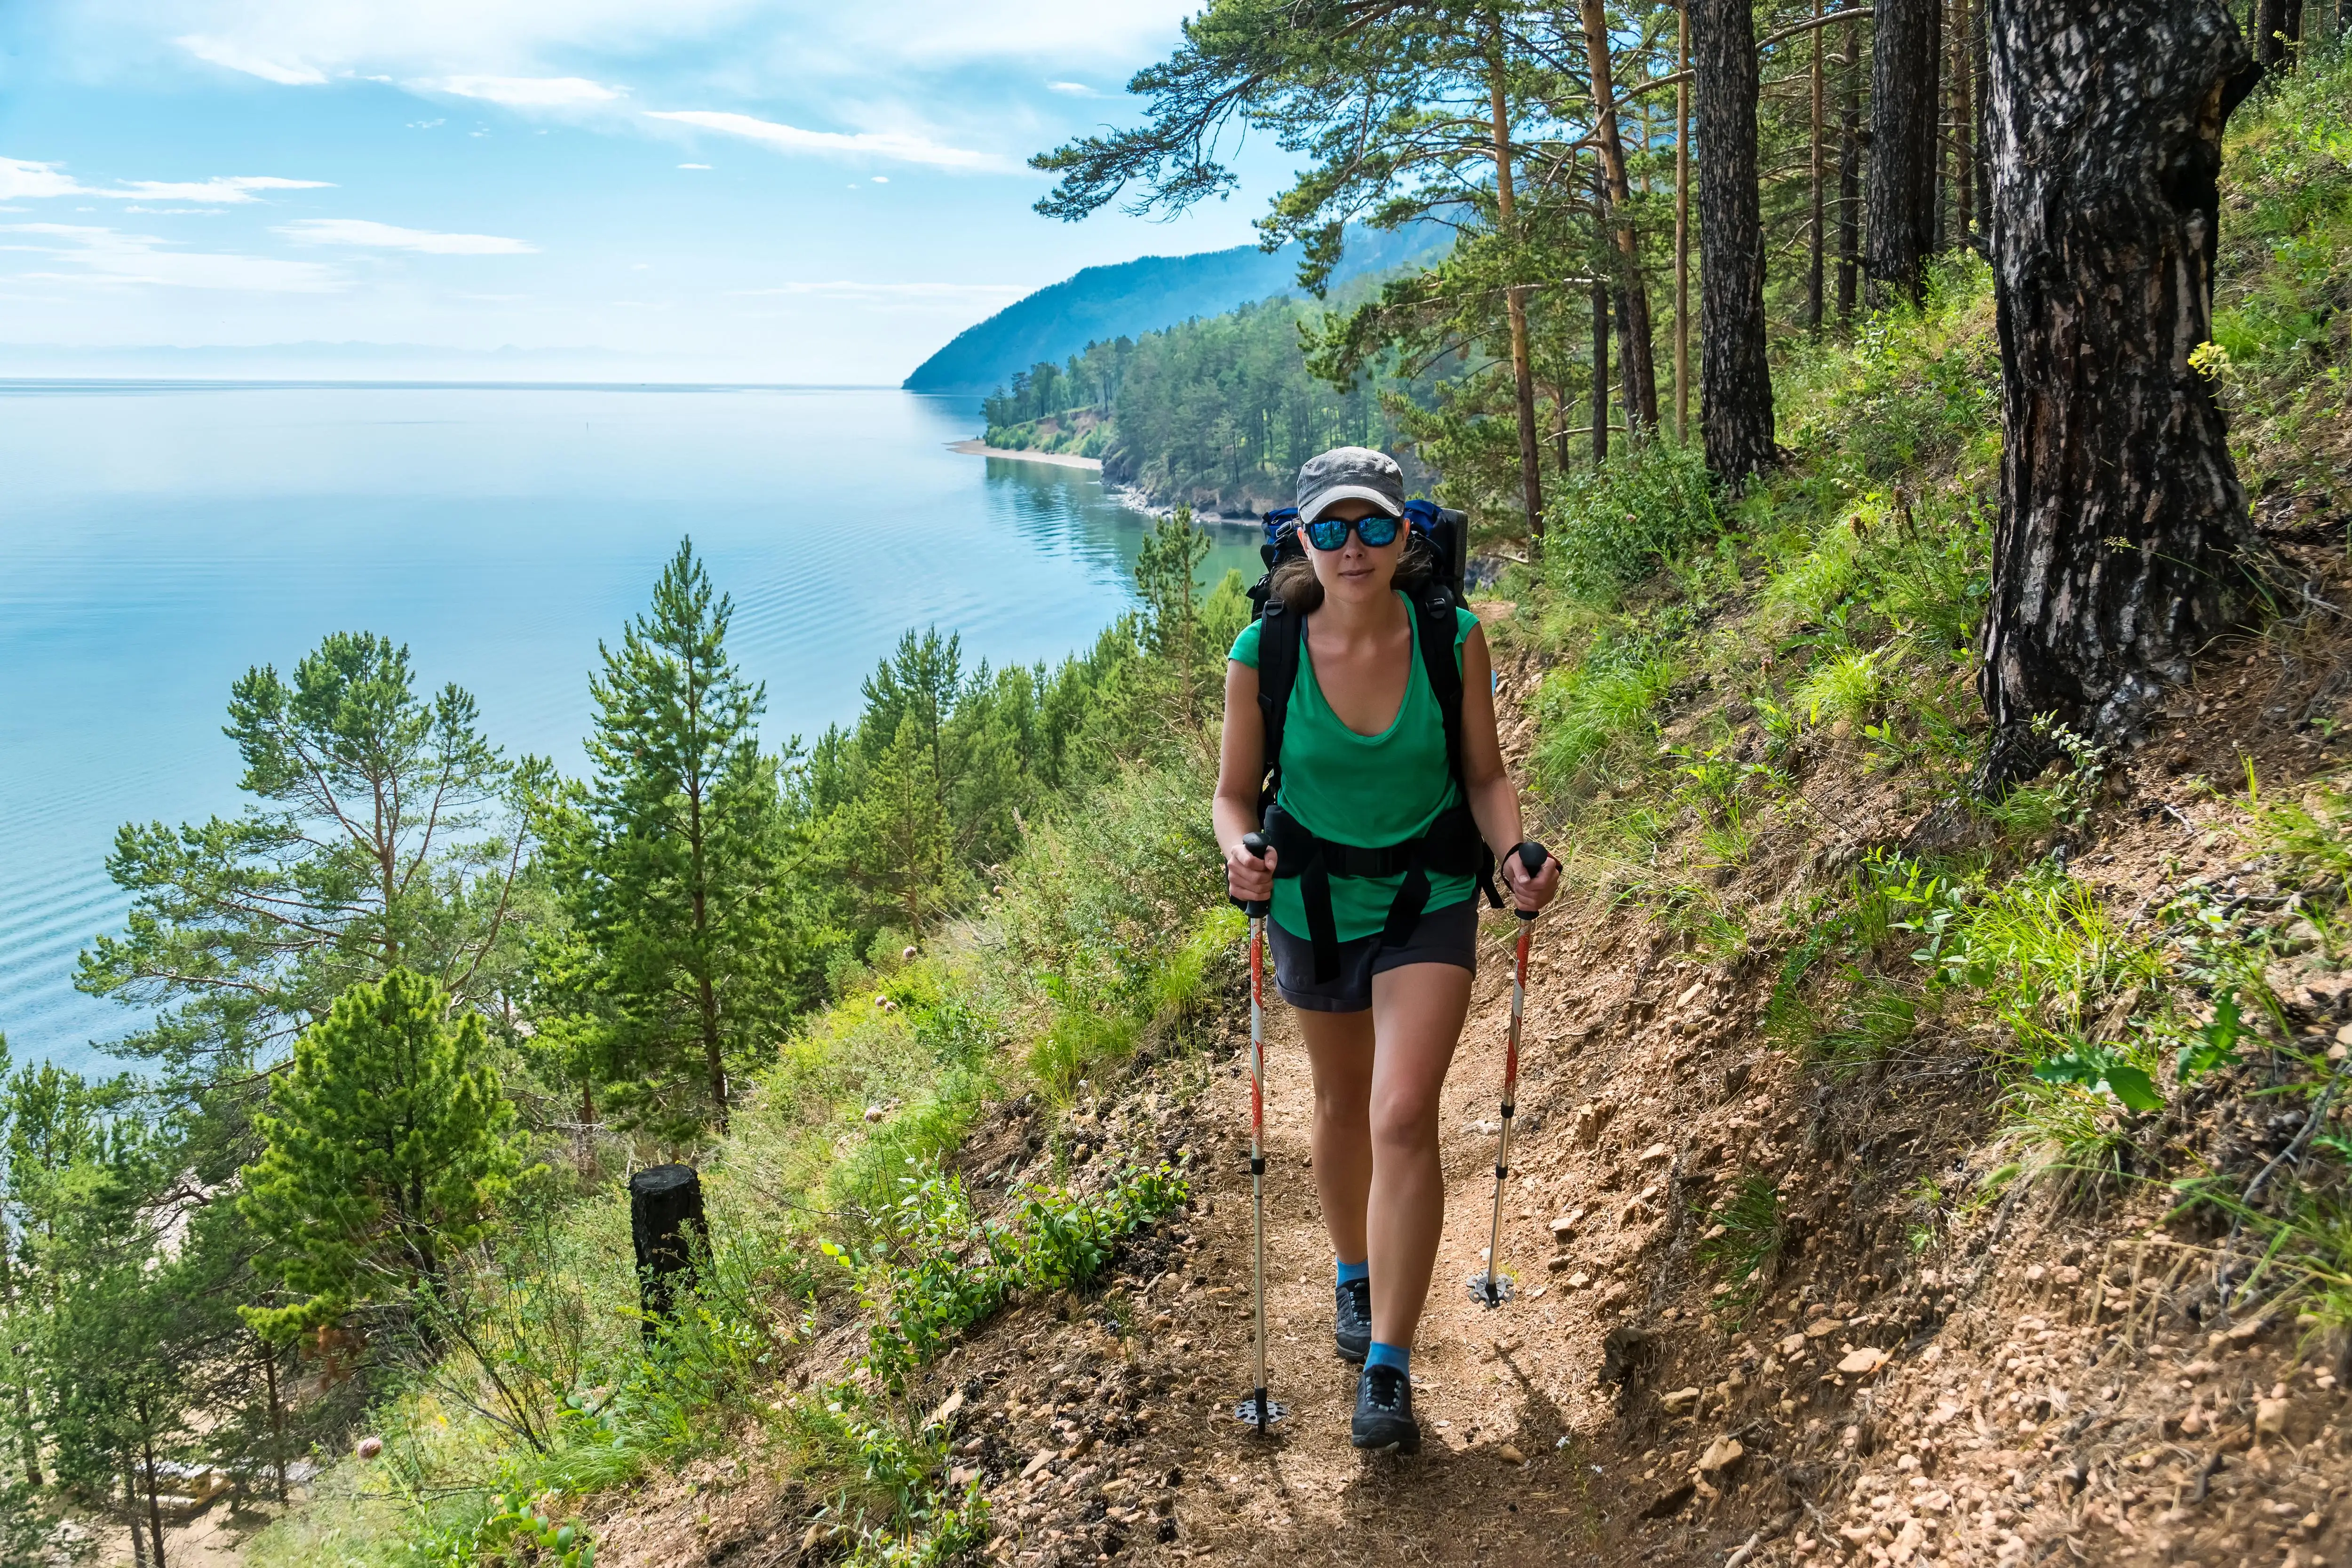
column 1936, row 1360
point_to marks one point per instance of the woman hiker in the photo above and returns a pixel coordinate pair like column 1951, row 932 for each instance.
column 1378, row 842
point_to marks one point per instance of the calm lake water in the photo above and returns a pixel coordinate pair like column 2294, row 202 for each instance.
column 158, row 540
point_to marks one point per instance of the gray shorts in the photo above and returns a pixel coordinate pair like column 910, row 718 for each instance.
column 1449, row 935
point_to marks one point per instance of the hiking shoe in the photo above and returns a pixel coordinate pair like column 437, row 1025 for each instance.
column 1385, row 1412
column 1352, row 1328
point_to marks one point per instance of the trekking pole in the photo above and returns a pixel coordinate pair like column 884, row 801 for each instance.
column 1257, row 1409
column 1489, row 1288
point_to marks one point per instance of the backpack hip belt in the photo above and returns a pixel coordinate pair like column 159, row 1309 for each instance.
column 1452, row 847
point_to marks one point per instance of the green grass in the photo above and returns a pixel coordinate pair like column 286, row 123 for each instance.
column 1908, row 391
column 1846, row 685
column 1739, row 1245
column 1597, row 711
column 2284, row 297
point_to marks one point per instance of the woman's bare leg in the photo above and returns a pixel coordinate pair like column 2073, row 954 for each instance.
column 1339, row 1044
column 1417, row 1014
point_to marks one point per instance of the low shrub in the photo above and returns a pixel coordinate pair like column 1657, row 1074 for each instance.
column 1608, row 528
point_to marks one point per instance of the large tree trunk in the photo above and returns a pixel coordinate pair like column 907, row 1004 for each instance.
column 1633, row 355
column 1850, row 175
column 1682, row 225
column 1599, row 339
column 1816, row 241
column 1905, row 35
column 1735, row 375
column 2123, row 543
column 1515, row 299
column 1964, row 120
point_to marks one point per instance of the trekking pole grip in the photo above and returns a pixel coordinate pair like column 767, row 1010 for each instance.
column 1532, row 857
column 1256, row 909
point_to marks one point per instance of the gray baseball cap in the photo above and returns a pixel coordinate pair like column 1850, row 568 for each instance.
column 1350, row 473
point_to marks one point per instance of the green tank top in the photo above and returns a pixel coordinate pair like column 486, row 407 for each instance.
column 1372, row 790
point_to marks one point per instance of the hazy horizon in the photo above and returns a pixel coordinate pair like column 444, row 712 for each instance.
column 763, row 191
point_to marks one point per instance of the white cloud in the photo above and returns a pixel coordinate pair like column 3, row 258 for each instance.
column 229, row 188
column 21, row 177
column 232, row 55
column 528, row 91
column 899, row 146
column 1074, row 89
column 694, row 165
column 387, row 236
column 105, row 256
column 880, row 179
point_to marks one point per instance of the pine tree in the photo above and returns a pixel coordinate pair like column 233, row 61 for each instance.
column 119, row 1312
column 895, row 839
column 669, row 863
column 1386, row 107
column 376, row 840
column 1183, row 664
column 387, row 1142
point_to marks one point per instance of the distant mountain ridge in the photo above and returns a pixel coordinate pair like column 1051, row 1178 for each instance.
column 1131, row 297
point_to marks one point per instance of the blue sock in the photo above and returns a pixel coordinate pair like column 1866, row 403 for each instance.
column 1397, row 1356
column 1349, row 1272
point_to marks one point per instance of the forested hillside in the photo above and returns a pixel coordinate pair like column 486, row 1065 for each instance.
column 1217, row 413
column 1131, row 297
column 1934, row 1139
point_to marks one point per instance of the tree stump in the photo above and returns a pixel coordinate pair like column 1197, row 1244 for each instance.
column 666, row 1221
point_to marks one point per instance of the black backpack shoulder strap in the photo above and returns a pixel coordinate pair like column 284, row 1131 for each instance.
column 1436, row 610
column 1279, row 631
column 1437, row 661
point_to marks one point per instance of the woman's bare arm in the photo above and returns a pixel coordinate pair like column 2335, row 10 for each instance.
column 1494, row 799
column 1241, row 765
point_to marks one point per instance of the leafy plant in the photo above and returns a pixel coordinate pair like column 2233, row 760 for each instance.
column 2215, row 1045
column 523, row 1531
column 2098, row 1068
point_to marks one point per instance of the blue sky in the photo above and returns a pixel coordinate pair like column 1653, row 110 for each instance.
column 748, row 189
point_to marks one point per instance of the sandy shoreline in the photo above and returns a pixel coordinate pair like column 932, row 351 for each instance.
column 972, row 448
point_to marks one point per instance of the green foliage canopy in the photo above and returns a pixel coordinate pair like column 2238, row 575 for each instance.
column 375, row 841
column 387, row 1143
